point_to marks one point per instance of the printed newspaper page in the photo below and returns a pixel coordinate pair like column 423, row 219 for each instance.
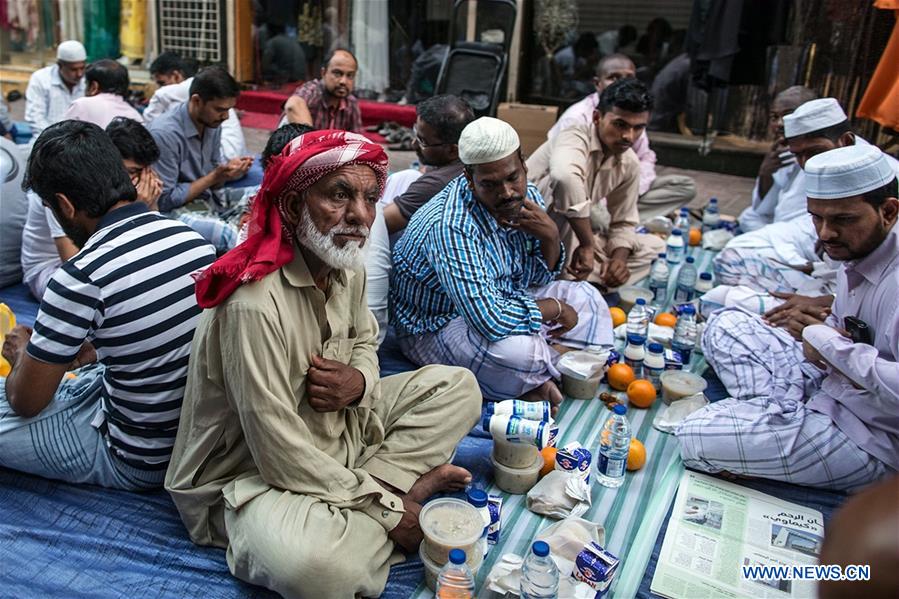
column 717, row 527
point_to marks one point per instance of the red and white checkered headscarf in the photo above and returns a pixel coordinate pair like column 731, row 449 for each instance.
column 269, row 244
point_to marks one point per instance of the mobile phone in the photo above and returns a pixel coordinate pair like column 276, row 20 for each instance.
column 858, row 330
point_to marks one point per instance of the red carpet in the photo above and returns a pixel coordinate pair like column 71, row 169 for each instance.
column 262, row 109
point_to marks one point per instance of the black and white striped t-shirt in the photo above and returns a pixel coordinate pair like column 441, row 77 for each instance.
column 130, row 292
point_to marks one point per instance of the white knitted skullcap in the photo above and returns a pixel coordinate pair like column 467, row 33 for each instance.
column 487, row 140
column 71, row 51
column 846, row 172
column 813, row 116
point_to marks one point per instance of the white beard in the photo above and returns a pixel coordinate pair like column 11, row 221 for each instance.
column 349, row 257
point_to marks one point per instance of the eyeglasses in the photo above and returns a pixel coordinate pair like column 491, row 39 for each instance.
column 423, row 144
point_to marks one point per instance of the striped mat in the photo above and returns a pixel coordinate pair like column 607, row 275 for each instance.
column 631, row 514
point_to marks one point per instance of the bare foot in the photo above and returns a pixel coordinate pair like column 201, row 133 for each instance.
column 548, row 391
column 445, row 477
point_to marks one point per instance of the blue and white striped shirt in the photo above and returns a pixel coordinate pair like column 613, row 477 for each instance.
column 455, row 260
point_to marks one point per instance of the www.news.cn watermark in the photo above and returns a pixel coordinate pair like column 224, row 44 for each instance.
column 803, row 572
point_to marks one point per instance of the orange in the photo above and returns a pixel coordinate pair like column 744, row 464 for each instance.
column 695, row 236
column 636, row 455
column 618, row 316
column 666, row 319
column 641, row 393
column 620, row 376
column 549, row 460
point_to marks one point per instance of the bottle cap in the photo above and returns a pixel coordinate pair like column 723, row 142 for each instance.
column 457, row 556
column 540, row 548
column 485, row 423
column 636, row 339
column 688, row 309
column 656, row 348
column 684, row 210
column 620, row 409
column 640, row 301
column 713, row 200
column 663, row 255
column 690, row 259
column 676, row 232
column 477, row 498
column 706, row 276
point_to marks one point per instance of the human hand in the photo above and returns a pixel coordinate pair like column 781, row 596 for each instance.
column 798, row 312
column 15, row 343
column 614, row 272
column 779, row 314
column 149, row 188
column 773, row 160
column 529, row 217
column 812, row 355
column 582, row 261
column 407, row 534
column 566, row 320
column 803, row 316
column 234, row 169
column 332, row 385
column 86, row 355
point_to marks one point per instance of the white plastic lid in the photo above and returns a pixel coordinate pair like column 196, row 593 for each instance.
column 451, row 522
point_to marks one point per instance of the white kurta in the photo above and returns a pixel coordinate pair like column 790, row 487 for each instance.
column 784, row 201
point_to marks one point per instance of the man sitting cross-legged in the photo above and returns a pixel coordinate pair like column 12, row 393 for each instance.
column 473, row 276
column 822, row 412
column 291, row 452
column 125, row 300
column 582, row 165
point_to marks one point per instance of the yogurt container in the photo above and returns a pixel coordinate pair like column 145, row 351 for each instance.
column 520, row 430
column 516, row 480
column 514, row 455
column 449, row 523
column 432, row 569
column 530, row 410
column 678, row 384
column 582, row 372
column 629, row 294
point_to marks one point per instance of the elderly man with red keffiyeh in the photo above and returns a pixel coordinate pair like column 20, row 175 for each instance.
column 291, row 453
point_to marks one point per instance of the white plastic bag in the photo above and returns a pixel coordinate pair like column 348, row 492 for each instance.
column 559, row 494
column 668, row 419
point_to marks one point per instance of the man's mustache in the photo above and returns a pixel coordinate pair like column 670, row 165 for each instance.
column 361, row 230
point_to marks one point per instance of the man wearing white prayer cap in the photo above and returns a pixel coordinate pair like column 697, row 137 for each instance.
column 823, row 411
column 474, row 276
column 779, row 191
column 51, row 90
column 761, row 259
column 590, row 178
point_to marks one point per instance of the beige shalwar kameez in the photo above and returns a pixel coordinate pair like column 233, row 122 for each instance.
column 573, row 176
column 291, row 492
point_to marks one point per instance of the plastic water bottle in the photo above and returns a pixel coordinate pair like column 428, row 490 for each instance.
column 478, row 498
column 638, row 319
column 682, row 221
column 686, row 282
column 658, row 280
column 614, row 444
column 539, row 574
column 455, row 580
column 711, row 216
column 676, row 247
column 684, row 340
